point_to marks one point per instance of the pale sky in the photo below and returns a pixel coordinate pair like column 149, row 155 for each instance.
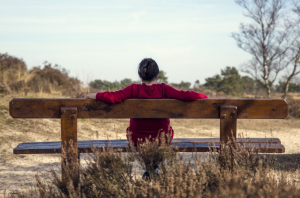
column 189, row 39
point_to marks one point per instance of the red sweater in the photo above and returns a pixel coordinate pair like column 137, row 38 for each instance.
column 143, row 128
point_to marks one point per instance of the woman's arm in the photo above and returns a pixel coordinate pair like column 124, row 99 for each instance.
column 112, row 97
column 90, row 96
column 170, row 92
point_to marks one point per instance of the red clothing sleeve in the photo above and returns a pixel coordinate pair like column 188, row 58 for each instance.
column 115, row 96
column 144, row 91
column 170, row 92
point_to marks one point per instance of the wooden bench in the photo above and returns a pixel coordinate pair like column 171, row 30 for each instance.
column 227, row 110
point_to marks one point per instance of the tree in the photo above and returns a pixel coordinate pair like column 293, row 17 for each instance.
column 267, row 39
column 294, row 52
column 230, row 82
column 213, row 82
column 249, row 84
column 252, row 85
column 161, row 77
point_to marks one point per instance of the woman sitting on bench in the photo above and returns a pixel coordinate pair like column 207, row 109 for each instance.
column 141, row 129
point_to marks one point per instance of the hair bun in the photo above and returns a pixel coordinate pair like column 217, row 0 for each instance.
column 148, row 69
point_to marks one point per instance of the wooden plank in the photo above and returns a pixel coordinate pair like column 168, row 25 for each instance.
column 81, row 144
column 228, row 122
column 69, row 140
column 69, row 128
column 32, row 146
column 84, row 146
column 149, row 108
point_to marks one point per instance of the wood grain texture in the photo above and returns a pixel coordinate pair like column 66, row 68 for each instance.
column 149, row 108
column 69, row 158
column 228, row 122
column 69, row 127
column 184, row 145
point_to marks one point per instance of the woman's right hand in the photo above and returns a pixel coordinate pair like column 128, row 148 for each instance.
column 90, row 96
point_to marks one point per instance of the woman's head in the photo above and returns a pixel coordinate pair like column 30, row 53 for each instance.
column 148, row 69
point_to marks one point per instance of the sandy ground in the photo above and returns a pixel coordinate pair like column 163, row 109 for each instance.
column 17, row 172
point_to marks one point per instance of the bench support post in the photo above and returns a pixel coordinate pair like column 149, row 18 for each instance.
column 228, row 122
column 69, row 146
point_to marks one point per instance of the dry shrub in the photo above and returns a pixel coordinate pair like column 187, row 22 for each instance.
column 235, row 172
column 53, row 78
column 150, row 155
column 12, row 73
column 15, row 78
column 294, row 107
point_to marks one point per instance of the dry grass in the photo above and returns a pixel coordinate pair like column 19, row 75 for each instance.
column 232, row 173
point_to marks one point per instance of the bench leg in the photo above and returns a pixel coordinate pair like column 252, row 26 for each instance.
column 228, row 122
column 69, row 142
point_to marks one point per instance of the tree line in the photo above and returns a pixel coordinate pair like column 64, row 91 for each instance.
column 15, row 77
column 117, row 85
column 229, row 81
column 232, row 83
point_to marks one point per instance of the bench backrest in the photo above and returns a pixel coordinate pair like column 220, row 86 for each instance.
column 149, row 108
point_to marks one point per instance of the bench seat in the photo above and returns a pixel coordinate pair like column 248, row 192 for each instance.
column 266, row 145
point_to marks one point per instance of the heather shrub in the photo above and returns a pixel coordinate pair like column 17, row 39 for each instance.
column 294, row 107
column 235, row 172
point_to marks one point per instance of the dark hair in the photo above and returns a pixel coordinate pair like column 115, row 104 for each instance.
column 148, row 69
